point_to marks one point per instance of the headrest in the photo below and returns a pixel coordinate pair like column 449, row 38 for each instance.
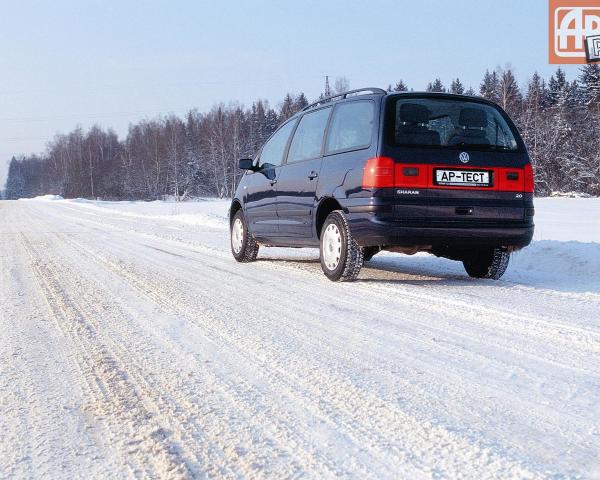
column 472, row 118
column 413, row 113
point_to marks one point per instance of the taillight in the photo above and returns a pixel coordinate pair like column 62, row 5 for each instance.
column 378, row 173
column 529, row 180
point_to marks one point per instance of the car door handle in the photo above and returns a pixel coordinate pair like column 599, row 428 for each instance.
column 312, row 175
column 273, row 182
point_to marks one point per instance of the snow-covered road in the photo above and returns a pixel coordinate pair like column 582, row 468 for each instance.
column 133, row 345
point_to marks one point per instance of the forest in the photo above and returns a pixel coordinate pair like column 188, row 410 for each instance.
column 182, row 158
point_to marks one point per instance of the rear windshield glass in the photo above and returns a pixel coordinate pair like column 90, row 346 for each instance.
column 447, row 123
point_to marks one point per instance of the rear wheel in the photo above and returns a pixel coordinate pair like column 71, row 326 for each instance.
column 341, row 256
column 243, row 245
column 487, row 263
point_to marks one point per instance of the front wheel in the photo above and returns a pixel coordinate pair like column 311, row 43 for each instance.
column 341, row 256
column 487, row 263
column 243, row 245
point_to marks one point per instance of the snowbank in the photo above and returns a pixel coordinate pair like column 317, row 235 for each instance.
column 45, row 198
column 567, row 266
column 566, row 219
column 207, row 212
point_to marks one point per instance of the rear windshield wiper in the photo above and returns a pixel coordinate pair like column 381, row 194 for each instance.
column 484, row 146
column 499, row 147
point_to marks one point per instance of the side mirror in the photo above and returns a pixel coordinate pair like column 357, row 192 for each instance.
column 246, row 164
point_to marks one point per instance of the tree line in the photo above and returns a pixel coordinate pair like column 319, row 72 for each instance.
column 197, row 155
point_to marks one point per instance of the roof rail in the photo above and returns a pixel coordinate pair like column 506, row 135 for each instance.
column 375, row 90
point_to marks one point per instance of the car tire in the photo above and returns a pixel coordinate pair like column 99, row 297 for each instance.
column 370, row 252
column 489, row 263
column 341, row 256
column 243, row 245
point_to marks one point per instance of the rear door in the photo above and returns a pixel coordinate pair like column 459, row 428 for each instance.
column 299, row 176
column 260, row 194
column 458, row 161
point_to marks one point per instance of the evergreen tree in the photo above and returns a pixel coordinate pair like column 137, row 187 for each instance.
column 400, row 87
column 557, row 86
column 457, row 87
column 15, row 183
column 537, row 93
column 589, row 82
column 573, row 92
column 470, row 92
column 436, row 86
column 489, row 87
column 300, row 102
column 509, row 94
column 271, row 122
column 287, row 108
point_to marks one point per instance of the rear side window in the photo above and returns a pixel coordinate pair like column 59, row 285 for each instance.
column 351, row 127
column 273, row 150
column 308, row 138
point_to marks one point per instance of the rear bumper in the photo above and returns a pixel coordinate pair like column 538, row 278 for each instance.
column 369, row 230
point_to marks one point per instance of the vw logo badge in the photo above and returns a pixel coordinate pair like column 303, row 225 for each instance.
column 464, row 157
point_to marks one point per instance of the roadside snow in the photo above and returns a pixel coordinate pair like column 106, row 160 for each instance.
column 556, row 218
column 45, row 198
column 566, row 219
column 203, row 212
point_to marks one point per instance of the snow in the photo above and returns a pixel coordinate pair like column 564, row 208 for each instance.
column 565, row 219
column 133, row 345
column 47, row 198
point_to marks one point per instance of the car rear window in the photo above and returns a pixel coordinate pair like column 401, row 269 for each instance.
column 351, row 127
column 447, row 123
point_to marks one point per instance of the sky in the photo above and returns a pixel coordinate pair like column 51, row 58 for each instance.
column 66, row 63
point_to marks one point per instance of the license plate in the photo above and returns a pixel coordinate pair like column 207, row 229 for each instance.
column 463, row 178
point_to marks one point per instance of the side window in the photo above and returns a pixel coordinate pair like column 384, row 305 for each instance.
column 351, row 126
column 272, row 152
column 308, row 138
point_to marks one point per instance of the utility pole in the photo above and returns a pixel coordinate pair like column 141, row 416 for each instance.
column 327, row 92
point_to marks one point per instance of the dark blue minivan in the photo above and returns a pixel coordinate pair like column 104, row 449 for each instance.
column 367, row 170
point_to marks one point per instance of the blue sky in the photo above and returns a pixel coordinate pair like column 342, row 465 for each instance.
column 65, row 63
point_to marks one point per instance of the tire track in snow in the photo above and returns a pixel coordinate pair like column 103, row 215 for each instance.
column 565, row 335
column 248, row 398
column 350, row 402
column 559, row 334
column 219, row 466
column 116, row 401
column 45, row 434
